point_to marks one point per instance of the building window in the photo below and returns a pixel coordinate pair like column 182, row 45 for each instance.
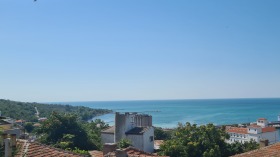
column 151, row 138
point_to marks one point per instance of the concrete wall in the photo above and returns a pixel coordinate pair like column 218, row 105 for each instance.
column 14, row 131
column 107, row 138
column 121, row 126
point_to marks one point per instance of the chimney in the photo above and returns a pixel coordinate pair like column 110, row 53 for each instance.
column 13, row 140
column 120, row 153
column 263, row 143
column 109, row 147
column 8, row 148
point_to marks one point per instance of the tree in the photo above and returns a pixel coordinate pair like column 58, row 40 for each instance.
column 205, row 140
column 28, row 127
column 160, row 134
column 66, row 131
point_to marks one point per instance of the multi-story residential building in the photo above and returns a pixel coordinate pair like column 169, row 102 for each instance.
column 256, row 131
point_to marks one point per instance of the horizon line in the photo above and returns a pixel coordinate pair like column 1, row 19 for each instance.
column 160, row 99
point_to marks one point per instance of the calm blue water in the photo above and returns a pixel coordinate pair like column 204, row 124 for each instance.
column 167, row 113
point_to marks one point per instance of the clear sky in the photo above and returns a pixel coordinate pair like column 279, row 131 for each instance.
column 82, row 50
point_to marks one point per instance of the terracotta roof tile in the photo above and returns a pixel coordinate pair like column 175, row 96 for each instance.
column 268, row 129
column 34, row 149
column 238, row 130
column 134, row 152
column 269, row 151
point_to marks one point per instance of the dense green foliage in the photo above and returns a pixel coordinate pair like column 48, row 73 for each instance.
column 68, row 132
column 26, row 111
column 161, row 134
column 206, row 141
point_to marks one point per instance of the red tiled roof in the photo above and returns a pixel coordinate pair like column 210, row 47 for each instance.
column 269, row 151
column 134, row 152
column 268, row 129
column 262, row 119
column 238, row 130
column 34, row 149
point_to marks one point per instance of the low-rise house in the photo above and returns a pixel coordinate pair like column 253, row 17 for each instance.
column 132, row 126
column 256, row 132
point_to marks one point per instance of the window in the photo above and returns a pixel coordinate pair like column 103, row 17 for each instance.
column 151, row 138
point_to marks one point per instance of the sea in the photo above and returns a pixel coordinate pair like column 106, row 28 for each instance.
column 168, row 113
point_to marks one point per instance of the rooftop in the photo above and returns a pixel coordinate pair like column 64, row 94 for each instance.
column 134, row 152
column 137, row 130
column 269, row 151
column 34, row 149
column 238, row 130
column 268, row 129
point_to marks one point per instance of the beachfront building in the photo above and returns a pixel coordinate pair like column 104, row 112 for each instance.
column 257, row 131
column 132, row 126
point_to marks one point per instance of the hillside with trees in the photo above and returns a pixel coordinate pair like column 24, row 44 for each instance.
column 26, row 110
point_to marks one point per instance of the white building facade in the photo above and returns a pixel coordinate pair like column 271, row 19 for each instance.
column 255, row 132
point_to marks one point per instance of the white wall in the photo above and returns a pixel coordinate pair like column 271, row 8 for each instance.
column 148, row 143
column 252, row 130
column 237, row 137
column 136, row 141
column 272, row 137
column 107, row 138
column 143, row 142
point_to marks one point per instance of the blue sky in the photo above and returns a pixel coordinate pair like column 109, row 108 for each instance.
column 86, row 50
